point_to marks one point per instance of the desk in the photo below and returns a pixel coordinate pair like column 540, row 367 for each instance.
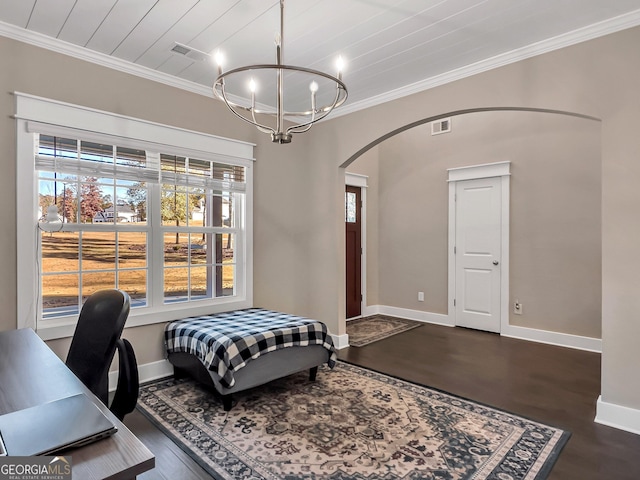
column 31, row 374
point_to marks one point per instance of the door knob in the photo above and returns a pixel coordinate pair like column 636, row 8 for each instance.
column 495, row 262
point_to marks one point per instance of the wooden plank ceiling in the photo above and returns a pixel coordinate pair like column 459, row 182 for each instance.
column 387, row 44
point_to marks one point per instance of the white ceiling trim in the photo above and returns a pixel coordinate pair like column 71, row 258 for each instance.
column 66, row 48
column 596, row 30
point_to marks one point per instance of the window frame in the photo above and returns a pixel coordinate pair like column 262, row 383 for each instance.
column 64, row 119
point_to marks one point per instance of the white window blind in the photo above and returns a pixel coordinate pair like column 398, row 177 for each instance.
column 198, row 173
column 67, row 151
column 85, row 158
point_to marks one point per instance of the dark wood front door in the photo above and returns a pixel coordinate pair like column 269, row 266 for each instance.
column 353, row 210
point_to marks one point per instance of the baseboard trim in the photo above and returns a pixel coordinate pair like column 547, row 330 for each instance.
column 340, row 341
column 146, row 373
column 554, row 338
column 408, row 314
column 367, row 311
column 617, row 416
column 522, row 333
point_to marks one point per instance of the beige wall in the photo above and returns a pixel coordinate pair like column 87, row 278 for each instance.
column 599, row 78
column 281, row 179
column 555, row 214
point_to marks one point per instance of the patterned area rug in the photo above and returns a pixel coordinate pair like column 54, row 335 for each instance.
column 363, row 331
column 351, row 423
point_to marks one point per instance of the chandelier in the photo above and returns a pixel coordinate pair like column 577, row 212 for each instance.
column 325, row 92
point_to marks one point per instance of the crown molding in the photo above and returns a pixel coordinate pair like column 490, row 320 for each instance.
column 81, row 53
column 606, row 27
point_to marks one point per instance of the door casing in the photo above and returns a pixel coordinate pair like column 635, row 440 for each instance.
column 357, row 180
column 501, row 170
column 353, row 250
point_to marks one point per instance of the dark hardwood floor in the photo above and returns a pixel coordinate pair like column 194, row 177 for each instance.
column 550, row 384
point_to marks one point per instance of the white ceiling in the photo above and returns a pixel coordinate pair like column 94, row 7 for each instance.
column 392, row 47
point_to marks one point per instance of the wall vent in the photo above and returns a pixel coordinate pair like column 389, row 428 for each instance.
column 441, row 126
column 192, row 53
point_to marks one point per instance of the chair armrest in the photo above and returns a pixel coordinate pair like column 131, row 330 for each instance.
column 126, row 395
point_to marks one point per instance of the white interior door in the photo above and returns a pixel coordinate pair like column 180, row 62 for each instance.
column 478, row 253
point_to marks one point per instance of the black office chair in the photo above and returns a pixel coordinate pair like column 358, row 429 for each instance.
column 94, row 343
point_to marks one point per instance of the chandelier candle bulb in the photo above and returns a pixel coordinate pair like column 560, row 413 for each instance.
column 219, row 59
column 314, row 88
column 340, row 66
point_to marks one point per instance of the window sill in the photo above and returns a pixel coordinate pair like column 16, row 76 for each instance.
column 53, row 329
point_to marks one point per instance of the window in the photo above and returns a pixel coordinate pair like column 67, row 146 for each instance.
column 93, row 185
column 169, row 223
column 201, row 206
column 350, row 207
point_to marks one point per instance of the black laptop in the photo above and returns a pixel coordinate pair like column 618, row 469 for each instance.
column 51, row 427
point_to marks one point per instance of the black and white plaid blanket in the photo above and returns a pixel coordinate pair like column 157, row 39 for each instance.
column 225, row 342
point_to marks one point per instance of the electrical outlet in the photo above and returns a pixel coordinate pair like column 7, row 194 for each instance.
column 421, row 296
column 517, row 307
